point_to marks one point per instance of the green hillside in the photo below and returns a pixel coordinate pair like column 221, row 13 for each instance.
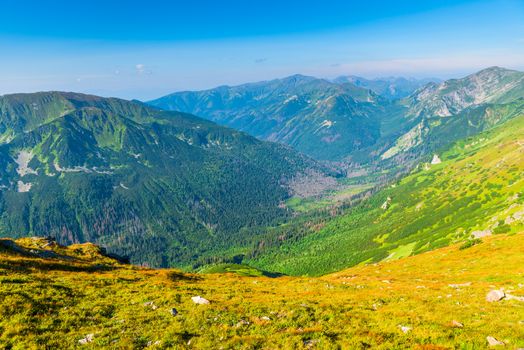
column 161, row 187
column 476, row 190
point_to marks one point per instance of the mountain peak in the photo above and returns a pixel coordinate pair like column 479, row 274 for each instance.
column 298, row 78
column 495, row 69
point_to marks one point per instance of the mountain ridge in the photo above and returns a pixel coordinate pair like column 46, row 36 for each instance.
column 303, row 112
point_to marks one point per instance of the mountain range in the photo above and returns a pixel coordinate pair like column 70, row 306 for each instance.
column 388, row 87
column 345, row 120
column 168, row 188
column 325, row 120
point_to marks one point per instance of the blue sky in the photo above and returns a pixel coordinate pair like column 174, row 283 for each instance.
column 144, row 49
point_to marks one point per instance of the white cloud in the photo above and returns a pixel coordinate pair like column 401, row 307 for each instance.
column 140, row 68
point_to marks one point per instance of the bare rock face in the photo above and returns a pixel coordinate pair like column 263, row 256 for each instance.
column 495, row 295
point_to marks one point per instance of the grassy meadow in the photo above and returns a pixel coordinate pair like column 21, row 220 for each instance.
column 55, row 297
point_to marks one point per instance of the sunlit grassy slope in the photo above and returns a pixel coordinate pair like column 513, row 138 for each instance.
column 478, row 187
column 55, row 302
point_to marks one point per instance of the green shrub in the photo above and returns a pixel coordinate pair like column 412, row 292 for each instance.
column 470, row 243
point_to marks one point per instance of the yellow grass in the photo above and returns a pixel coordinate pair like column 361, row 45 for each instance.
column 56, row 302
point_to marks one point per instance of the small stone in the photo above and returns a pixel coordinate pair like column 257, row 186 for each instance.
column 459, row 285
column 174, row 312
column 150, row 304
column 310, row 343
column 242, row 323
column 199, row 300
column 436, row 159
column 493, row 341
column 457, row 324
column 88, row 339
column 405, row 329
column 513, row 297
column 265, row 318
column 495, row 295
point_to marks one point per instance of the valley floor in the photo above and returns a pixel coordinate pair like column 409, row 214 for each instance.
column 57, row 297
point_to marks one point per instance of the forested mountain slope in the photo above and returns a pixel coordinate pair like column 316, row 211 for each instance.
column 159, row 186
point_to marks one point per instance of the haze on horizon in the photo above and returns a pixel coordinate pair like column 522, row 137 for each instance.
column 138, row 50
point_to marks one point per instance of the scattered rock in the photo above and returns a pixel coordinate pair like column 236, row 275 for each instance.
column 481, row 233
column 513, row 297
column 265, row 318
column 310, row 343
column 199, row 300
column 405, row 329
column 386, row 204
column 436, row 159
column 495, row 295
column 150, row 304
column 493, row 341
column 88, row 339
column 459, row 285
column 457, row 324
column 174, row 312
column 242, row 323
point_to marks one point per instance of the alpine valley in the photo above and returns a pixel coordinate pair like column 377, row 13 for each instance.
column 295, row 213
